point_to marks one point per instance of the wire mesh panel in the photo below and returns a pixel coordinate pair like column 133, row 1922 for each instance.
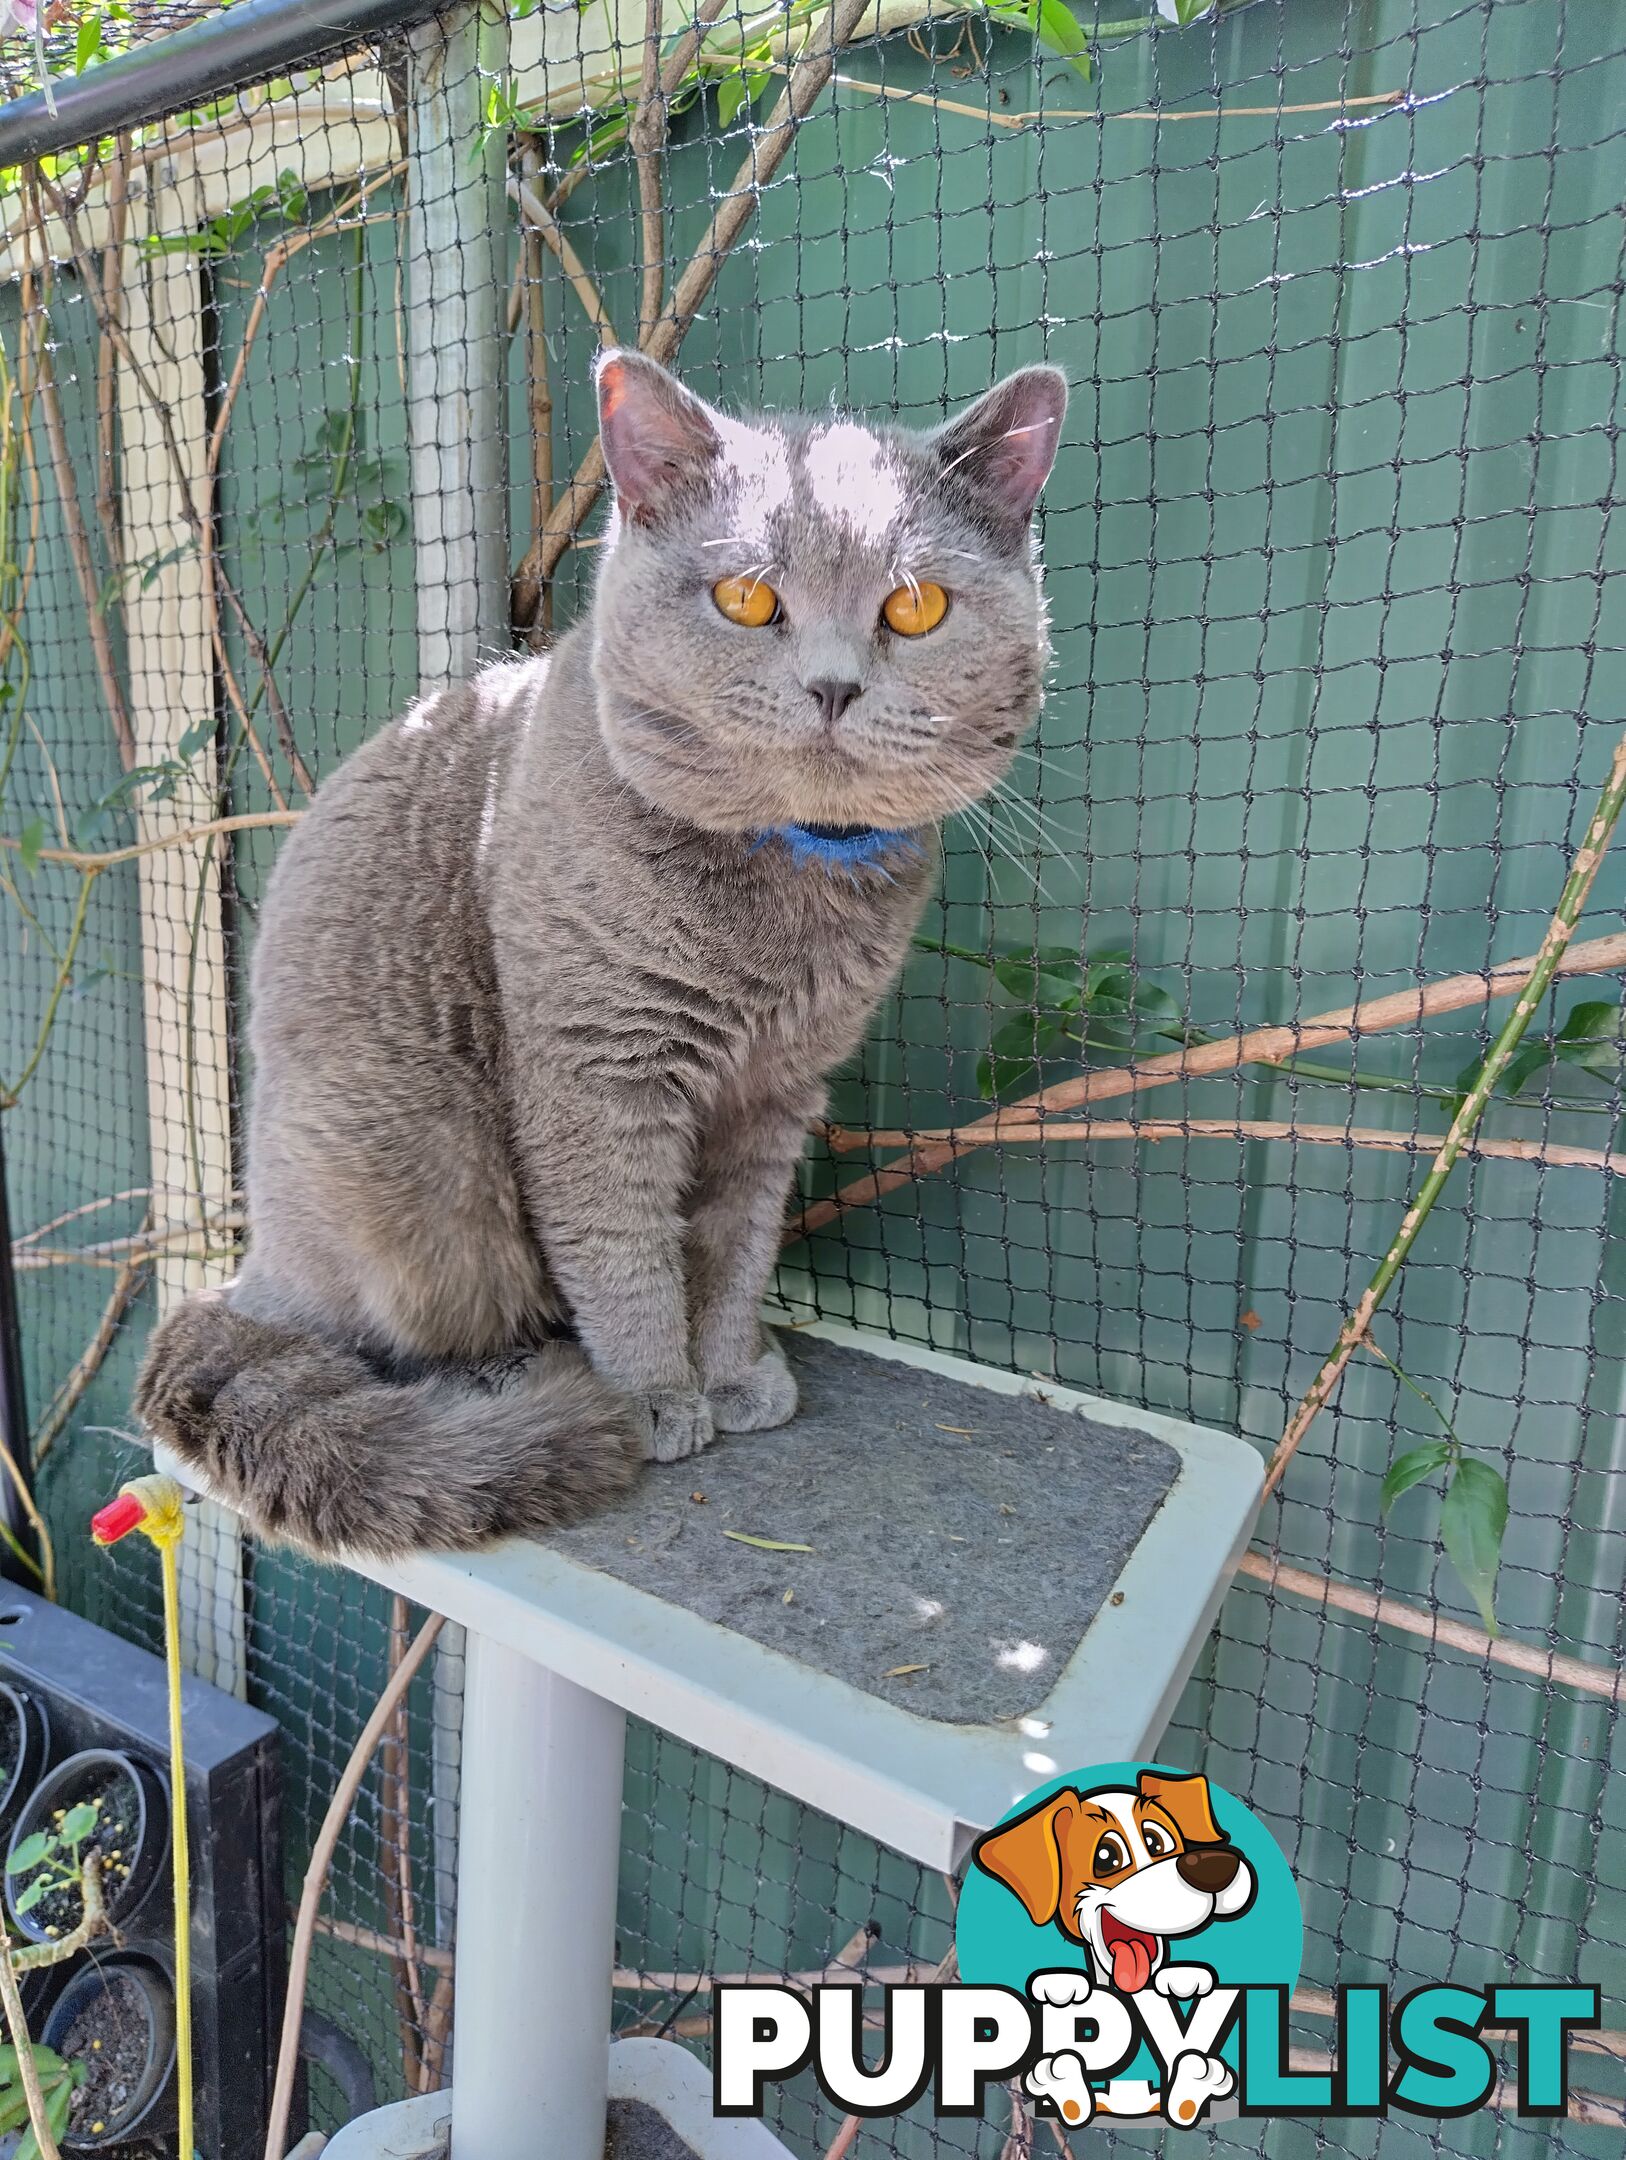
column 1337, row 608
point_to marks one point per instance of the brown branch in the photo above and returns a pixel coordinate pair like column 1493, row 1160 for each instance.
column 646, row 138
column 118, row 220
column 197, row 523
column 733, row 214
column 74, row 1214
column 1259, row 1046
column 310, row 1897
column 91, row 1358
column 844, row 1140
column 73, row 522
column 1537, row 1664
column 92, row 863
column 437, row 2033
column 114, row 1252
column 396, row 1801
column 531, row 603
column 546, row 226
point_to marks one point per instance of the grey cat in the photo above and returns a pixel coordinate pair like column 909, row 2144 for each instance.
column 548, row 980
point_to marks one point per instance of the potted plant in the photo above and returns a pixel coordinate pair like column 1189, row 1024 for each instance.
column 113, row 2026
column 58, row 2081
column 99, row 1803
column 25, row 1739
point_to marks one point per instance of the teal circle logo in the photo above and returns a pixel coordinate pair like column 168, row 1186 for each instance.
column 1150, row 1883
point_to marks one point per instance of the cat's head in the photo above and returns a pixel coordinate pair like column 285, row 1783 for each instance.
column 804, row 620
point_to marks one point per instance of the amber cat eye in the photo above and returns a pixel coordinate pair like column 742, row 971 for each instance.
column 914, row 609
column 746, row 601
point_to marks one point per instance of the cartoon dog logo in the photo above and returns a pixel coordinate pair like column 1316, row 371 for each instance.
column 1124, row 1871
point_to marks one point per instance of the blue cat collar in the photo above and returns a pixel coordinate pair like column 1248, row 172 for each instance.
column 840, row 847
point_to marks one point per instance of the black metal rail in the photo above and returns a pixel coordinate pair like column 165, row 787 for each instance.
column 241, row 45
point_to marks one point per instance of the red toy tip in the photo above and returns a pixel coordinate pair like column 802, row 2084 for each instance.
column 117, row 1519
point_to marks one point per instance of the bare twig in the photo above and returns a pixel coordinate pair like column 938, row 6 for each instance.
column 396, row 1801
column 74, row 1214
column 73, row 526
column 547, row 228
column 198, row 520
column 197, row 1239
column 646, row 137
column 118, row 220
column 327, row 1838
column 92, row 862
column 1258, row 1046
column 1583, row 870
column 90, row 1360
column 532, row 604
column 766, row 154
column 1538, row 1664
column 846, row 1140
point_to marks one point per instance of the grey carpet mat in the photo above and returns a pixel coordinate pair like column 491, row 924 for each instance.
column 637, row 2132
column 960, row 1541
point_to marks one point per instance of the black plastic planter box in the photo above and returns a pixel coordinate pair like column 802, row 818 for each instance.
column 99, row 1692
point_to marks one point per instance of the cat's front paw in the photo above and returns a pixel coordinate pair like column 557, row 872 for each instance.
column 764, row 1397
column 677, row 1422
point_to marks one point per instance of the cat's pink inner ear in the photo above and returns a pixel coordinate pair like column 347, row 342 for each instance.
column 1004, row 446
column 656, row 436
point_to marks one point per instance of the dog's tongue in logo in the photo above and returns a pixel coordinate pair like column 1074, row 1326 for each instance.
column 1131, row 1953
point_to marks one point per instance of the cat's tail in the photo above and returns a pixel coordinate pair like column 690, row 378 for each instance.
column 307, row 1441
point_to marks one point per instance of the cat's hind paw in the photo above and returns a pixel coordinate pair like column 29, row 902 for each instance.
column 763, row 1398
column 676, row 1422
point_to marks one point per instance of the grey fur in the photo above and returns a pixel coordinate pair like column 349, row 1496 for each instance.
column 539, row 1019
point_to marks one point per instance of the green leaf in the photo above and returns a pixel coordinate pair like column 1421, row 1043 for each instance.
column 1472, row 1522
column 1043, row 980
column 31, row 1896
column 29, row 842
column 383, row 522
column 1591, row 1038
column 731, row 95
column 78, row 1823
column 196, row 738
column 1059, row 32
column 87, row 47
column 29, row 1854
column 764, row 1544
column 1015, row 1050
column 1413, row 1468
column 13, row 2106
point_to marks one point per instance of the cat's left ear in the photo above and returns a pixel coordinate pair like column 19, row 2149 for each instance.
column 658, row 437
column 1002, row 448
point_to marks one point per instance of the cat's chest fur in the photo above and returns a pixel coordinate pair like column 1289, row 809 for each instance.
column 722, row 959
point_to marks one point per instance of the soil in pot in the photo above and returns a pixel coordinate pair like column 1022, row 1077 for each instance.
column 117, row 2020
column 110, row 2037
column 122, row 1821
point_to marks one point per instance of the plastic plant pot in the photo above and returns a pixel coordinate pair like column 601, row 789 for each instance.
column 25, row 1743
column 131, row 1837
column 118, row 2018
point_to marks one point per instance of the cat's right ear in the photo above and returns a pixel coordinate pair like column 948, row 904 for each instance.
column 658, row 438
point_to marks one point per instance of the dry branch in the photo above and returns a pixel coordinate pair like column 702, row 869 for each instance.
column 1526, row 1658
column 92, row 863
column 73, row 522
column 310, row 1897
column 547, row 228
column 729, row 220
column 845, row 1140
column 1259, row 1046
column 646, row 137
column 91, row 1359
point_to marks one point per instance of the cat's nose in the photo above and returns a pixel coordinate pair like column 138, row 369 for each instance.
column 833, row 697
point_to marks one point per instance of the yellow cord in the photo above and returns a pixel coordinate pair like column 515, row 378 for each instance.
column 165, row 1523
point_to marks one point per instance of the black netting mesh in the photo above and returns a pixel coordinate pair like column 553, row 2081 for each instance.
column 1337, row 607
